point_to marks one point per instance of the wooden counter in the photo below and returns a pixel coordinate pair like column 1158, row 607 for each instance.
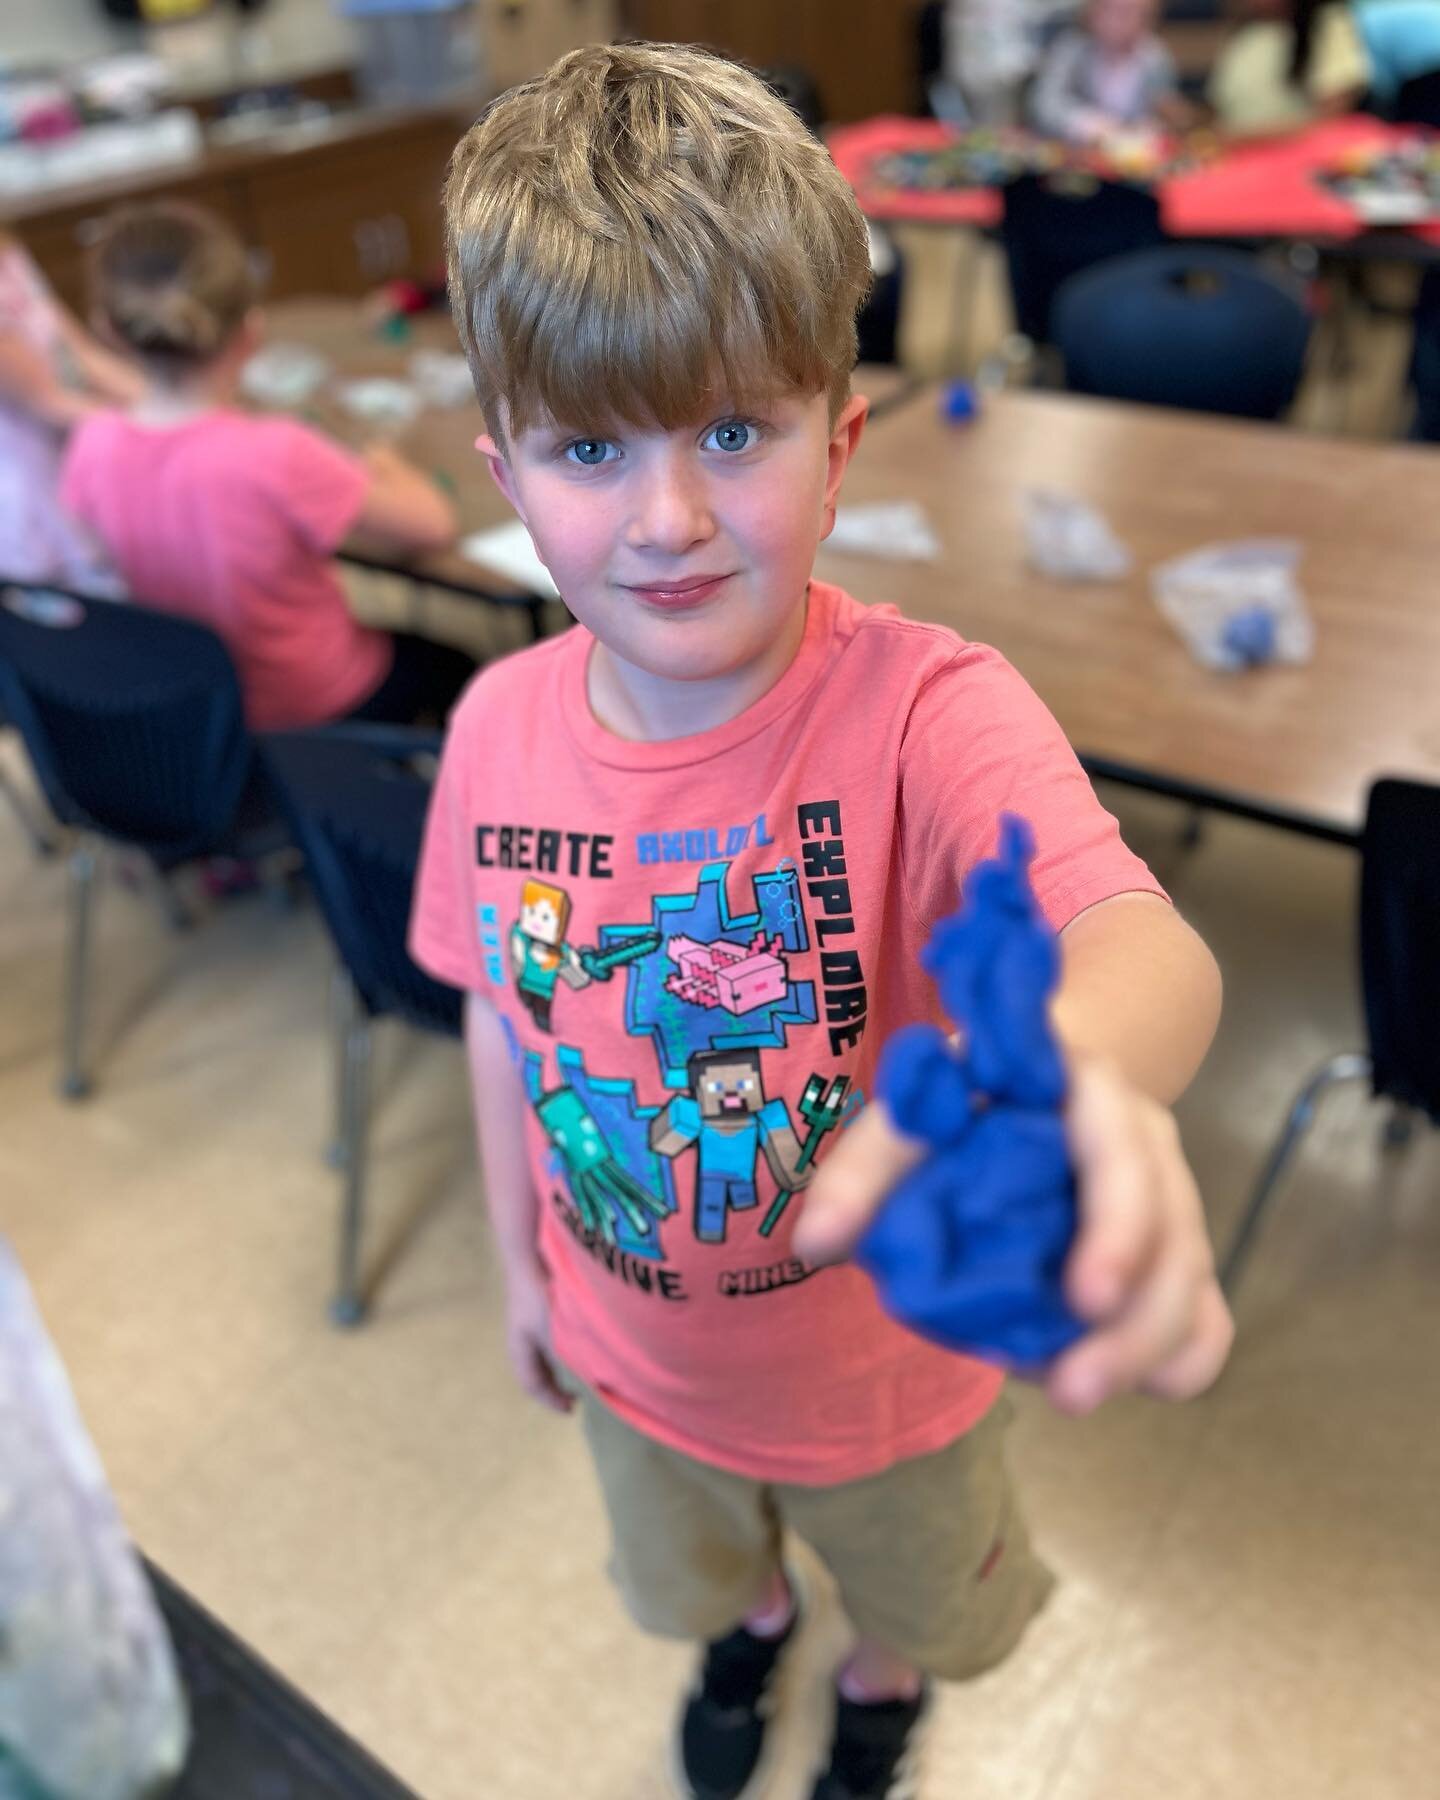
column 334, row 208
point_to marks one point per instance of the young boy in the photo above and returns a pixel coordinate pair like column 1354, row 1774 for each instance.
column 757, row 797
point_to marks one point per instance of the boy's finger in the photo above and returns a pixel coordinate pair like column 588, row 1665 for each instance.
column 1197, row 1364
column 538, row 1379
column 1116, row 1358
column 1116, row 1170
column 850, row 1184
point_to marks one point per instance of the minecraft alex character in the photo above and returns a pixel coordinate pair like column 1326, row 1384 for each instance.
column 539, row 954
column 729, row 1120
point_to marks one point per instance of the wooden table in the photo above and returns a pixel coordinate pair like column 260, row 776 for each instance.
column 1296, row 747
column 442, row 439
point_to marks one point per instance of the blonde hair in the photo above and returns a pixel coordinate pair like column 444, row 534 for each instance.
column 645, row 229
column 172, row 284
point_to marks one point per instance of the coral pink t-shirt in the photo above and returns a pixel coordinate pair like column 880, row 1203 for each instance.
column 232, row 521
column 698, row 948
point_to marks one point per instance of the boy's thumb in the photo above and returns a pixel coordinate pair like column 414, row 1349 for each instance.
column 850, row 1185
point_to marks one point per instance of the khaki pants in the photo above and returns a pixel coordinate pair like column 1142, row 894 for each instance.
column 931, row 1556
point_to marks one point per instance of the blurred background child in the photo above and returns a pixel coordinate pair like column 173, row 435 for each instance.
column 1110, row 74
column 233, row 519
column 52, row 375
column 1288, row 63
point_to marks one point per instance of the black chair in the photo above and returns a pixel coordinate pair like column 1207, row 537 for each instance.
column 356, row 797
column 1204, row 329
column 1400, row 977
column 134, row 725
column 1418, row 101
column 1056, row 225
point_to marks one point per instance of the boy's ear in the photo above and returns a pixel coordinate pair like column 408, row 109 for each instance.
column 500, row 471
column 844, row 440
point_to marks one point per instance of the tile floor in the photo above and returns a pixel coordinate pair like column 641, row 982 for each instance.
column 1250, row 1598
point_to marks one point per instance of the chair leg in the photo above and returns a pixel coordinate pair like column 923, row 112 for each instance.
column 41, row 842
column 1192, row 832
column 1399, row 1127
column 348, row 1308
column 1349, row 1066
column 344, row 1011
column 74, row 1080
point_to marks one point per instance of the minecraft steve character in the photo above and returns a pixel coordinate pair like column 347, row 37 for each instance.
column 539, row 954
column 729, row 1120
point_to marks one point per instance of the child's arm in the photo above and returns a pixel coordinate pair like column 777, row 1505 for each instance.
column 500, row 1109
column 107, row 377
column 1137, row 1007
column 403, row 510
column 27, row 381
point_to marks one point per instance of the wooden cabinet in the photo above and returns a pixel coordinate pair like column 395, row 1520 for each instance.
column 343, row 224
column 519, row 38
column 334, row 214
column 863, row 54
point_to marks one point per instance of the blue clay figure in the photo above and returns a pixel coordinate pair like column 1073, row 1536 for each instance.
column 958, row 403
column 969, row 1248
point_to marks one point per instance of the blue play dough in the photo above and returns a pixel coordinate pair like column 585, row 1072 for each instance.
column 958, row 404
column 1249, row 635
column 969, row 1247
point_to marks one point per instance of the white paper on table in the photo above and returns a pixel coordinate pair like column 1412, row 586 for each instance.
column 508, row 550
column 897, row 528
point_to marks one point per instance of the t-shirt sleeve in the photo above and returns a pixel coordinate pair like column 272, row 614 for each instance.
column 444, row 928
column 980, row 742
column 318, row 485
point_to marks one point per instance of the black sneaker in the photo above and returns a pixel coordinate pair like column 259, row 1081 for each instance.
column 875, row 1752
column 722, row 1730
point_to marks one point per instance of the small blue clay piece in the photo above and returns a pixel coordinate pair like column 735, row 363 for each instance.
column 969, row 1248
column 958, row 403
column 1249, row 636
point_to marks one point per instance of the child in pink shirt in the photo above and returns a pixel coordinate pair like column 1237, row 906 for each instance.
column 682, row 860
column 232, row 519
column 53, row 374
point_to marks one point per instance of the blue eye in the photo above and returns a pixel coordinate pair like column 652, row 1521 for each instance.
column 733, row 435
column 591, row 452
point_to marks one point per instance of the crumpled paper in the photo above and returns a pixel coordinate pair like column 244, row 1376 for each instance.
column 1069, row 540
column 897, row 528
column 90, row 1704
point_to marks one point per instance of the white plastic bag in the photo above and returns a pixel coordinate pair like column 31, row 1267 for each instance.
column 90, row 1703
column 1238, row 604
column 1070, row 540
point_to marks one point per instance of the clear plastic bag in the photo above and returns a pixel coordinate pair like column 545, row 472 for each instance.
column 1070, row 540
column 1238, row 605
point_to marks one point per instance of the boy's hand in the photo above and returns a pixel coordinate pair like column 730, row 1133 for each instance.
column 1141, row 1271
column 527, row 1338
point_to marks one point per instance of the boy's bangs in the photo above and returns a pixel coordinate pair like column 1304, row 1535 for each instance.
column 617, row 343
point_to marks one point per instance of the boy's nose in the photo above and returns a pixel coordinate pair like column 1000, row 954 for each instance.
column 672, row 510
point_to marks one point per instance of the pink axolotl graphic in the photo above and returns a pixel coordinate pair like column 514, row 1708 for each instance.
column 734, row 977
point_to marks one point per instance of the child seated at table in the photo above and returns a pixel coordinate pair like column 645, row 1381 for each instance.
column 1109, row 75
column 1289, row 63
column 52, row 375
column 233, row 519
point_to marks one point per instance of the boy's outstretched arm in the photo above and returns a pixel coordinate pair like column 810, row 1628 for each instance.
column 500, row 1109
column 1137, row 1007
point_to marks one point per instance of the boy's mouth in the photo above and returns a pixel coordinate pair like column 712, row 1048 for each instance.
column 694, row 590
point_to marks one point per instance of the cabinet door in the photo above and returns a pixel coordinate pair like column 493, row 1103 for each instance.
column 343, row 223
column 519, row 38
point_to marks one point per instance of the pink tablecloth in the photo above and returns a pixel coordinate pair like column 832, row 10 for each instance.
column 1264, row 189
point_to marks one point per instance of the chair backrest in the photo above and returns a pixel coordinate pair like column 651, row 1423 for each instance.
column 133, row 719
column 1399, row 942
column 1056, row 225
column 1208, row 330
column 1418, row 100
column 356, row 797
